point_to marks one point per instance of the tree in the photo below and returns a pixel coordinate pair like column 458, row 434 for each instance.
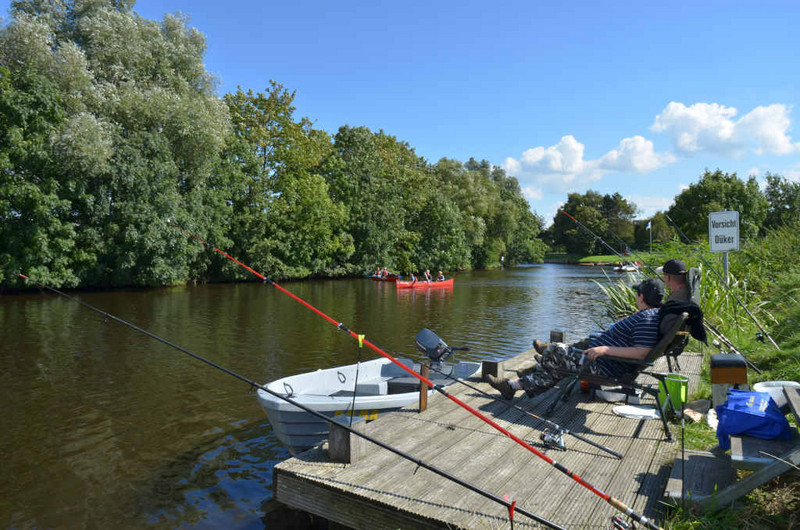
column 284, row 220
column 719, row 191
column 783, row 199
column 138, row 135
column 609, row 217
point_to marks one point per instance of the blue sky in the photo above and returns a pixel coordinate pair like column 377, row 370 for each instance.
column 630, row 97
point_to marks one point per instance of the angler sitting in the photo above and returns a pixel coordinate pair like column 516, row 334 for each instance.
column 632, row 338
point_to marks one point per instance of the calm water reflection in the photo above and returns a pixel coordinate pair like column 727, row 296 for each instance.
column 103, row 426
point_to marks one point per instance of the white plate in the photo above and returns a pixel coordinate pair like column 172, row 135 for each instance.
column 638, row 413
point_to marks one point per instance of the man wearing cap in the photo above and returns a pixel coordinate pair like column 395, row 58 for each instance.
column 633, row 338
column 675, row 279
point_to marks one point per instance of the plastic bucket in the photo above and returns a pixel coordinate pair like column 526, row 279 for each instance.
column 678, row 386
column 775, row 389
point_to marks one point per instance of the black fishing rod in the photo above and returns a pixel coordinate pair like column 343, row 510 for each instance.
column 616, row 503
column 724, row 283
column 588, row 231
column 708, row 325
column 510, row 505
column 559, row 429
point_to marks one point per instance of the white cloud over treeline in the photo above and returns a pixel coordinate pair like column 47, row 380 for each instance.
column 696, row 129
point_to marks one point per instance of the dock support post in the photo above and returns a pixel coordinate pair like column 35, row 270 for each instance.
column 424, row 371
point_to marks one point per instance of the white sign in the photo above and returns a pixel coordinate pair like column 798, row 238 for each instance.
column 723, row 231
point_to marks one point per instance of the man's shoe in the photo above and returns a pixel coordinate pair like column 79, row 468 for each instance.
column 539, row 346
column 501, row 385
column 526, row 371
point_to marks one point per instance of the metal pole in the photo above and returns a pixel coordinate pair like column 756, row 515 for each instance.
column 725, row 268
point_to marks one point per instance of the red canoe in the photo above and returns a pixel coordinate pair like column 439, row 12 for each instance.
column 390, row 278
column 422, row 284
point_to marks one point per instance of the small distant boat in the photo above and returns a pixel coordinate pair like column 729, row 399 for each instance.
column 422, row 284
column 382, row 387
column 626, row 267
column 389, row 278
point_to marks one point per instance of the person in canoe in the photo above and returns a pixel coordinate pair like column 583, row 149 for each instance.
column 378, row 273
column 413, row 278
column 440, row 277
column 427, row 276
column 385, row 273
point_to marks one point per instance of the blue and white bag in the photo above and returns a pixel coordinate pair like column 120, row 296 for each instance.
column 753, row 414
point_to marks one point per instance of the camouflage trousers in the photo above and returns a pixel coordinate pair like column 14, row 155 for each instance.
column 554, row 361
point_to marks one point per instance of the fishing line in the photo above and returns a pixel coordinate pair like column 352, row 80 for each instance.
column 552, row 424
column 724, row 284
column 619, row 505
column 253, row 384
column 708, row 325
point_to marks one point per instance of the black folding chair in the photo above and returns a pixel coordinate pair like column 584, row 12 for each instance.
column 671, row 344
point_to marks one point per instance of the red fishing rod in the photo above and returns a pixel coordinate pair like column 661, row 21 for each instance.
column 616, row 503
column 510, row 505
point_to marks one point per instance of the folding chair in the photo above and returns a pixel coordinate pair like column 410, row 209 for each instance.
column 671, row 343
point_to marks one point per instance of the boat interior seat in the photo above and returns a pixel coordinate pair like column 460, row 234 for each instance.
column 401, row 385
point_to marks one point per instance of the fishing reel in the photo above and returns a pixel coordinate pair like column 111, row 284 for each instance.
column 553, row 439
column 618, row 523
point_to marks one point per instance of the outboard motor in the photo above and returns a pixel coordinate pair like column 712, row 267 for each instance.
column 431, row 345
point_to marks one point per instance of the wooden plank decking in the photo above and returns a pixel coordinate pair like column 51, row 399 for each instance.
column 386, row 491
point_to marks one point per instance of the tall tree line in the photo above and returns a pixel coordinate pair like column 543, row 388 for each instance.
column 110, row 127
column 611, row 216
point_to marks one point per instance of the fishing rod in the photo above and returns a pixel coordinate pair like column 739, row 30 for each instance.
column 724, row 283
column 559, row 430
column 510, row 505
column 616, row 503
column 612, row 249
column 600, row 239
column 708, row 325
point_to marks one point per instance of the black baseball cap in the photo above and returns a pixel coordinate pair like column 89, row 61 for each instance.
column 653, row 291
column 674, row 266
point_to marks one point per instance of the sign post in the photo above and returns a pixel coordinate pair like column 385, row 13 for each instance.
column 723, row 235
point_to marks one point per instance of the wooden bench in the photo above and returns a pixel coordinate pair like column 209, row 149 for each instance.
column 709, row 483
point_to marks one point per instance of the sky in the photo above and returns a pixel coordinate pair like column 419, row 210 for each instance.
column 614, row 96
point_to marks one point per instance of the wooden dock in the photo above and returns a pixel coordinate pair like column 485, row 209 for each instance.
column 384, row 490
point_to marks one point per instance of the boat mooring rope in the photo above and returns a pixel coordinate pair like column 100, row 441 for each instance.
column 616, row 503
column 510, row 505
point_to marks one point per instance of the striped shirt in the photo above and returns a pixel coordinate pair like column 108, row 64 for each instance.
column 638, row 330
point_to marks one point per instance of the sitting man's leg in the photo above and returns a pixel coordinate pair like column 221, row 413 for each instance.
column 555, row 359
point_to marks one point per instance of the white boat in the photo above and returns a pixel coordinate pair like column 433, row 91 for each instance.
column 626, row 267
column 382, row 386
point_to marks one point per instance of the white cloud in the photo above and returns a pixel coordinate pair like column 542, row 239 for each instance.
column 710, row 127
column 562, row 166
column 792, row 173
column 635, row 154
column 532, row 193
column 648, row 206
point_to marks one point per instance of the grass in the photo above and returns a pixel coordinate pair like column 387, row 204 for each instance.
column 764, row 277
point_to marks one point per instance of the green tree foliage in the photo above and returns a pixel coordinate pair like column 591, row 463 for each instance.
column 284, row 221
column 715, row 192
column 610, row 217
column 783, row 199
column 662, row 231
column 138, row 134
column 110, row 127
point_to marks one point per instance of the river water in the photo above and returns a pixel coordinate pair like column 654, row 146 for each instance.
column 103, row 426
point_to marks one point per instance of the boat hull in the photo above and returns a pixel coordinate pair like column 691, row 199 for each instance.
column 382, row 387
column 422, row 284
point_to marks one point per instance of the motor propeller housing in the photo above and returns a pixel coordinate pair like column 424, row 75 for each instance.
column 431, row 345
